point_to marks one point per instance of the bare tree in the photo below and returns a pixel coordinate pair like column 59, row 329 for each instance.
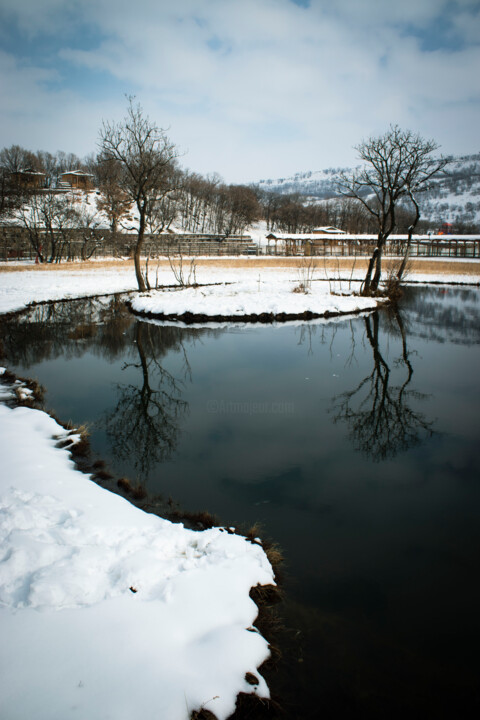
column 14, row 159
column 113, row 201
column 146, row 157
column 397, row 167
column 88, row 231
column 50, row 221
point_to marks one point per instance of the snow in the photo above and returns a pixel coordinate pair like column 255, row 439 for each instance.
column 454, row 193
column 19, row 289
column 267, row 289
column 77, row 641
column 250, row 297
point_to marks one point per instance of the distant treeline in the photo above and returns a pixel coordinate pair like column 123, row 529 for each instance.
column 197, row 204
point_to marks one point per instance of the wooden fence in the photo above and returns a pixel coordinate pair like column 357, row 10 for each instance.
column 364, row 245
column 15, row 245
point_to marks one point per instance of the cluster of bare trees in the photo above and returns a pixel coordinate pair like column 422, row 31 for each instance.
column 207, row 205
column 141, row 189
column 398, row 166
column 52, row 222
column 16, row 159
column 292, row 214
column 50, row 219
column 137, row 168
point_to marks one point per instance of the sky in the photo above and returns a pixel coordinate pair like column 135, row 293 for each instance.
column 248, row 89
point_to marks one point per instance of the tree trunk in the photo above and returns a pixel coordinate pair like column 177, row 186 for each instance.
column 371, row 285
column 378, row 269
column 403, row 264
column 411, row 228
column 366, row 287
column 138, row 248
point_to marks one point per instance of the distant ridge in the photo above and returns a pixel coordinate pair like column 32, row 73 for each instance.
column 454, row 196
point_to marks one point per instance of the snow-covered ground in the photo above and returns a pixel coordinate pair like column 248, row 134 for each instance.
column 19, row 289
column 107, row 611
column 453, row 195
column 250, row 298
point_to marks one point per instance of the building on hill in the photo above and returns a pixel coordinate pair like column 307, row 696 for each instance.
column 76, row 179
column 328, row 230
column 28, row 178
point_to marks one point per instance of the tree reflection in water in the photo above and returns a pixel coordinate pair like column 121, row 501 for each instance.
column 66, row 328
column 144, row 426
column 381, row 416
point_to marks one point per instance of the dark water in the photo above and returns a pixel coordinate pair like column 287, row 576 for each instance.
column 356, row 446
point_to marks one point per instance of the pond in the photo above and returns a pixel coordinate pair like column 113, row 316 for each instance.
column 354, row 444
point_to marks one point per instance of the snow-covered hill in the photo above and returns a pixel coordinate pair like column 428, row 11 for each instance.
column 454, row 196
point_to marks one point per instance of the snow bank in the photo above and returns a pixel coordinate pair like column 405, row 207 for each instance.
column 19, row 289
column 107, row 611
column 249, row 298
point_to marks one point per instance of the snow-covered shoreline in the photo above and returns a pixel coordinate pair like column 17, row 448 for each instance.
column 266, row 300
column 108, row 611
column 20, row 288
column 105, row 610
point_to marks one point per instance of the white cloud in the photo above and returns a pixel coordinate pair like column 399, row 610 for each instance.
column 264, row 87
column 21, row 85
column 39, row 118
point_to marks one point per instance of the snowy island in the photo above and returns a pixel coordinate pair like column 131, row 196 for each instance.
column 249, row 300
column 107, row 611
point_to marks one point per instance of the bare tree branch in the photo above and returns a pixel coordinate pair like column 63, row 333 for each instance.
column 146, row 158
column 397, row 166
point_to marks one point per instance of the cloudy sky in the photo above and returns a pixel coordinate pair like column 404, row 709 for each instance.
column 249, row 89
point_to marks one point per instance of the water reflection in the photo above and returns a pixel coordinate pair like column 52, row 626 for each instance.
column 67, row 329
column 380, row 415
column 144, row 425
column 382, row 593
column 444, row 314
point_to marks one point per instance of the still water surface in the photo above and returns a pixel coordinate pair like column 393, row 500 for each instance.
column 356, row 446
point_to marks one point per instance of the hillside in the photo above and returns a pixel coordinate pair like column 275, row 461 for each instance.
column 453, row 197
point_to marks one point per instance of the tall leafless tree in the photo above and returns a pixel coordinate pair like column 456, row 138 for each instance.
column 146, row 157
column 113, row 200
column 50, row 221
column 398, row 166
column 13, row 192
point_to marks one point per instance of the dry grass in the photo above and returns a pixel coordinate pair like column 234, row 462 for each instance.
column 430, row 265
column 137, row 492
column 202, row 520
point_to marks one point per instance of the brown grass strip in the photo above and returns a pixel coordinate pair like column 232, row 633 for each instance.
column 441, row 266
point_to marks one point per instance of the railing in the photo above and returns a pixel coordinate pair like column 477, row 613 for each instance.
column 363, row 246
column 14, row 245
